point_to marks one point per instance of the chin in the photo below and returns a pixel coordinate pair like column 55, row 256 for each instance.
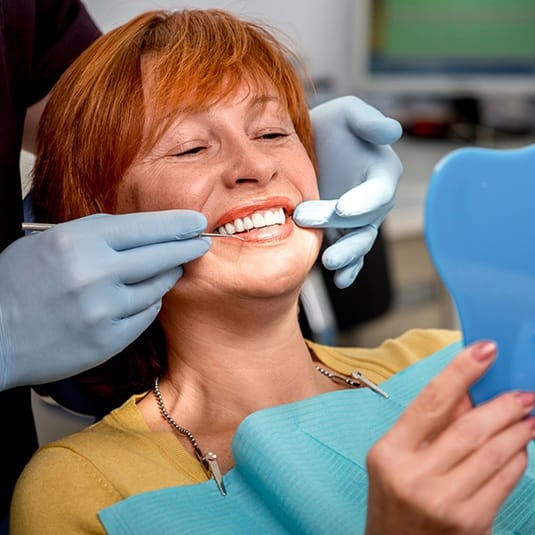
column 274, row 283
column 263, row 272
column 258, row 282
column 277, row 274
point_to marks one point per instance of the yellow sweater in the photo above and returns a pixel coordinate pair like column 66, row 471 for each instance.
column 68, row 481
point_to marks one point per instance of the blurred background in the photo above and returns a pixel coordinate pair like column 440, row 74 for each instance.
column 456, row 73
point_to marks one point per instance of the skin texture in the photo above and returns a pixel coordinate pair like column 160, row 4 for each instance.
column 228, row 161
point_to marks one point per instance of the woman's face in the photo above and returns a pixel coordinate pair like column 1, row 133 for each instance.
column 242, row 165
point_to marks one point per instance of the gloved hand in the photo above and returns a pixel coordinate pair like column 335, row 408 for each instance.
column 77, row 294
column 358, row 178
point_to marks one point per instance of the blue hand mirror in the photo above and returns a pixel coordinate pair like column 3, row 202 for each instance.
column 480, row 232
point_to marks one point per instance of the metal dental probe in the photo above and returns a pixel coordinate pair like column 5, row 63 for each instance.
column 44, row 226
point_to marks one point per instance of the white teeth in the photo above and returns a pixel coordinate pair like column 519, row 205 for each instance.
column 270, row 218
column 260, row 219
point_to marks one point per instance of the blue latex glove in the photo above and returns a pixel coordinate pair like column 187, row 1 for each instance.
column 77, row 294
column 358, row 178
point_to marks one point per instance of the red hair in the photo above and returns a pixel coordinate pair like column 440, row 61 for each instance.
column 94, row 126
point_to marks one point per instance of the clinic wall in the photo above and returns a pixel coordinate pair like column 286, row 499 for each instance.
column 320, row 28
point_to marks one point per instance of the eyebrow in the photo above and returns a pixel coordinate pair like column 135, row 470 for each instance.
column 262, row 100
column 261, row 104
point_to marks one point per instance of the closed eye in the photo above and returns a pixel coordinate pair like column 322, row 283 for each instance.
column 193, row 150
column 274, row 135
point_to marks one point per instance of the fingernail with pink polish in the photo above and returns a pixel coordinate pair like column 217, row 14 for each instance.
column 484, row 350
column 527, row 399
column 530, row 422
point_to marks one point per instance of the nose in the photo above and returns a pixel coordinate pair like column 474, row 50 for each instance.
column 250, row 162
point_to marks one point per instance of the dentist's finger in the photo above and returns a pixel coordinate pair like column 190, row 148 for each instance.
column 349, row 248
column 345, row 277
column 323, row 214
column 142, row 263
column 376, row 193
column 126, row 231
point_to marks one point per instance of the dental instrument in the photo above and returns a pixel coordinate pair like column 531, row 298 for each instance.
column 37, row 227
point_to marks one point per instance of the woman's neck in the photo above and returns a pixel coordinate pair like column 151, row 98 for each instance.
column 224, row 365
column 238, row 361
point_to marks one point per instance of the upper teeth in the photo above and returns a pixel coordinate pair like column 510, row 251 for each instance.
column 256, row 220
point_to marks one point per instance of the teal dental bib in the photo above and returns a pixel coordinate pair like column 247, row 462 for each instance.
column 300, row 468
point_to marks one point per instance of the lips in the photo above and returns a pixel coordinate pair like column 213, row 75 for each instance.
column 254, row 216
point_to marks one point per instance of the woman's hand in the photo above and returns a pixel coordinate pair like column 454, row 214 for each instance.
column 446, row 467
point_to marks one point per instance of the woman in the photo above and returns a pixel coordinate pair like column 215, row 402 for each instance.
column 200, row 110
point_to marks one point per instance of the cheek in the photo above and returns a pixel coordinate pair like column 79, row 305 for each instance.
column 134, row 193
column 147, row 193
column 309, row 188
column 128, row 199
column 312, row 193
column 139, row 200
column 305, row 178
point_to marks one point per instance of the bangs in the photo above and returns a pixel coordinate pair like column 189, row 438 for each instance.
column 198, row 59
column 116, row 99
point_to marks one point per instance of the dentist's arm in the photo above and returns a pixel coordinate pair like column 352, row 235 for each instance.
column 75, row 295
column 358, row 178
